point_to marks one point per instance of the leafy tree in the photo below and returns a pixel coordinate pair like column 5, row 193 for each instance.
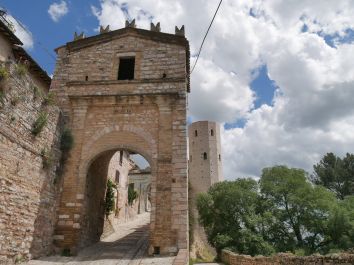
column 228, row 213
column 300, row 210
column 335, row 174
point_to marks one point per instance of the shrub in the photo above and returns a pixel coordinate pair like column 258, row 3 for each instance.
column 49, row 99
column 132, row 194
column 39, row 124
column 67, row 140
column 109, row 201
column 3, row 73
column 47, row 158
column 21, row 69
column 37, row 92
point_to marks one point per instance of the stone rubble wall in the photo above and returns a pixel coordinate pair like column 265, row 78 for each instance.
column 27, row 191
column 231, row 258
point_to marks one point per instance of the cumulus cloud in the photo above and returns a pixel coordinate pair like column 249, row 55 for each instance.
column 58, row 10
column 22, row 32
column 312, row 111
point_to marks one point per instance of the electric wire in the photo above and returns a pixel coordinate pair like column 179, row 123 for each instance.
column 206, row 34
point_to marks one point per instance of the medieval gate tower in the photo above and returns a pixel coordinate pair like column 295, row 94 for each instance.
column 124, row 90
column 205, row 161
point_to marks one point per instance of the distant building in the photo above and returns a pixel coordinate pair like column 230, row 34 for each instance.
column 205, row 158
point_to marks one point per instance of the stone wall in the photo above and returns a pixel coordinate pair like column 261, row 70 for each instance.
column 231, row 258
column 28, row 191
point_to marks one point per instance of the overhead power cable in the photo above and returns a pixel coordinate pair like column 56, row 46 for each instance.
column 206, row 34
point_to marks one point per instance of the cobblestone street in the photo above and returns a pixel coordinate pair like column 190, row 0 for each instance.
column 127, row 246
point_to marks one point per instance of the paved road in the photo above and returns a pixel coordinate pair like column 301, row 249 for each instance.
column 127, row 246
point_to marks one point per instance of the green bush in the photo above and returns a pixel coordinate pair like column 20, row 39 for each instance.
column 132, row 194
column 39, row 124
column 37, row 92
column 49, row 99
column 47, row 158
column 21, row 69
column 67, row 140
column 109, row 201
column 3, row 73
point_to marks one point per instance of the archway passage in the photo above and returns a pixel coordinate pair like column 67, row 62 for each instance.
column 116, row 208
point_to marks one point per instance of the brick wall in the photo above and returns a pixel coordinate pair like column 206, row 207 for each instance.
column 27, row 190
column 231, row 258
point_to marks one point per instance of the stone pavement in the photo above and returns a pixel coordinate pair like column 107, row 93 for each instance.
column 127, row 246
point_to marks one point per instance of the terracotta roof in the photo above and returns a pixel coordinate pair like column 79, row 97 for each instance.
column 148, row 34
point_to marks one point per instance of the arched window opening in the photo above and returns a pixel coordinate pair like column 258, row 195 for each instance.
column 205, row 156
column 195, row 133
column 212, row 132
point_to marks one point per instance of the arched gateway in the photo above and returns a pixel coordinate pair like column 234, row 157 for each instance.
column 124, row 89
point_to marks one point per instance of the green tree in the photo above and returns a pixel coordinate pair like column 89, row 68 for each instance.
column 228, row 213
column 335, row 174
column 300, row 209
column 109, row 201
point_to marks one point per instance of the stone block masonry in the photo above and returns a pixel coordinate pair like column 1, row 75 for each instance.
column 144, row 114
column 27, row 190
column 231, row 258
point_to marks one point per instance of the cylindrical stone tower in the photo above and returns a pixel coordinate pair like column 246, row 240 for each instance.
column 205, row 159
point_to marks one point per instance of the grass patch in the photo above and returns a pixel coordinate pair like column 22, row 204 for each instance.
column 37, row 92
column 47, row 158
column 39, row 123
column 21, row 69
column 49, row 99
column 3, row 73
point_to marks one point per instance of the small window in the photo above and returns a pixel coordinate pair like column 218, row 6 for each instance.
column 219, row 157
column 205, row 156
column 117, row 176
column 86, row 78
column 126, row 68
column 212, row 132
column 195, row 133
column 121, row 158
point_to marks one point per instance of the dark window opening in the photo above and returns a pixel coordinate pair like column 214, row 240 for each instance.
column 86, row 78
column 212, row 132
column 205, row 156
column 121, row 158
column 117, row 176
column 126, row 68
column 190, row 158
column 196, row 133
column 219, row 157
column 156, row 251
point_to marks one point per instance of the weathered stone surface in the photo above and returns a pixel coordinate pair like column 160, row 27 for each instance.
column 27, row 190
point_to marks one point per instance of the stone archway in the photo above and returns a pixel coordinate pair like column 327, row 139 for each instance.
column 146, row 114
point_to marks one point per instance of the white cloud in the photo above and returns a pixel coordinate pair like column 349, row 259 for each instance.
column 312, row 112
column 22, row 32
column 58, row 10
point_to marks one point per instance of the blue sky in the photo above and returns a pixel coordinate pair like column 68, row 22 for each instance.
column 48, row 34
column 299, row 50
